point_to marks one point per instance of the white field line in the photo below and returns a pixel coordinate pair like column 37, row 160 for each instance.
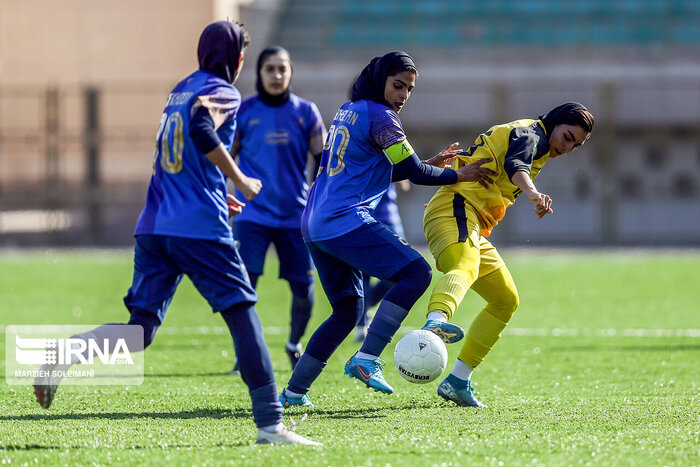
column 522, row 332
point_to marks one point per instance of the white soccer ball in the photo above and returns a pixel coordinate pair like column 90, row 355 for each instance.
column 420, row 356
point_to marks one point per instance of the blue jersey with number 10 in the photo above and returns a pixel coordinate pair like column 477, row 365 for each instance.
column 355, row 171
column 187, row 192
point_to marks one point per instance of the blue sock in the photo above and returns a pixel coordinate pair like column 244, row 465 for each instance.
column 305, row 373
column 384, row 325
column 254, row 362
column 265, row 412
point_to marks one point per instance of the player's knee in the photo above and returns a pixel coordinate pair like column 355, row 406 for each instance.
column 347, row 311
column 504, row 308
column 418, row 273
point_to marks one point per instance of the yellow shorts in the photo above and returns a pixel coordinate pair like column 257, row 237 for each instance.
column 446, row 224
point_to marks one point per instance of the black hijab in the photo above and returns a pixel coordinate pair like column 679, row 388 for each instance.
column 555, row 116
column 220, row 47
column 371, row 82
column 267, row 98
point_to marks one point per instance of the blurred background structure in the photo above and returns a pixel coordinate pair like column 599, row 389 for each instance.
column 82, row 86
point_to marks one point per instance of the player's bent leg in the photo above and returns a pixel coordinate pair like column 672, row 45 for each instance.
column 410, row 283
column 324, row 341
column 256, row 371
column 254, row 362
column 236, row 370
column 498, row 289
column 46, row 386
column 460, row 262
column 501, row 295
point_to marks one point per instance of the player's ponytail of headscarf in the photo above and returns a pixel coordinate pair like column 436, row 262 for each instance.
column 220, row 47
column 266, row 97
column 563, row 114
column 372, row 81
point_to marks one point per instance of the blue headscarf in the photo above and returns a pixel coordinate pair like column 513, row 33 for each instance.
column 371, row 82
column 555, row 116
column 220, row 47
column 267, row 98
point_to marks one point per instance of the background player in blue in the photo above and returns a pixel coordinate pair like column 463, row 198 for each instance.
column 277, row 131
column 386, row 212
column 366, row 148
column 183, row 229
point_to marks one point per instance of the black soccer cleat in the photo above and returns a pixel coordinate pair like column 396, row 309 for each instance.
column 294, row 354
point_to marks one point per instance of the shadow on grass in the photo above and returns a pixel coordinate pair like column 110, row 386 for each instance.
column 183, row 415
column 627, row 348
column 149, row 447
column 186, row 375
column 367, row 412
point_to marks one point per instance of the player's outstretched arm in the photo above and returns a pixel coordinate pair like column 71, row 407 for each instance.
column 220, row 157
column 543, row 203
column 443, row 157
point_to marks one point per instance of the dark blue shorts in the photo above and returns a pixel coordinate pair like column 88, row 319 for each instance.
column 372, row 249
column 215, row 268
column 294, row 258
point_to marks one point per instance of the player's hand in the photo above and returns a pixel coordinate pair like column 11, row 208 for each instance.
column 235, row 207
column 443, row 157
column 474, row 172
column 543, row 204
column 249, row 186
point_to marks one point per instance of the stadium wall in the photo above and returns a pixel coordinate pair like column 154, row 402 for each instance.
column 635, row 182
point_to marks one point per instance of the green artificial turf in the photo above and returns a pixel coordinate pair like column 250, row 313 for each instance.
column 599, row 366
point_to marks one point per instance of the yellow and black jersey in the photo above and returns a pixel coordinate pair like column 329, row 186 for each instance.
column 522, row 145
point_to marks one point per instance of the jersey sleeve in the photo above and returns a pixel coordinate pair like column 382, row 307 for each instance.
column 221, row 102
column 522, row 147
column 202, row 131
column 387, row 134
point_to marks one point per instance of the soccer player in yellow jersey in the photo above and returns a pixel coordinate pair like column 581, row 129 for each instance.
column 460, row 217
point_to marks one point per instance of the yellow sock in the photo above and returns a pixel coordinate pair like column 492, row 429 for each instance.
column 482, row 335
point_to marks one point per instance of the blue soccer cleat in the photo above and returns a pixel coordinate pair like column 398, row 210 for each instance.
column 369, row 372
column 458, row 391
column 448, row 332
column 287, row 401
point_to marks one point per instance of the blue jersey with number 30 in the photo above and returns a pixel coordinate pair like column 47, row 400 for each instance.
column 354, row 171
column 187, row 192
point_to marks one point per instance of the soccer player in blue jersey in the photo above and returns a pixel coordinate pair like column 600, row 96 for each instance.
column 277, row 132
column 184, row 229
column 365, row 150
